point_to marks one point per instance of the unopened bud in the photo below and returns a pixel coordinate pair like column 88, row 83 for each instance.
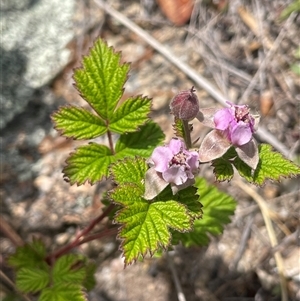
column 185, row 105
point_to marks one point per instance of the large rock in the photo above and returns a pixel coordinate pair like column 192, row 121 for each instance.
column 33, row 49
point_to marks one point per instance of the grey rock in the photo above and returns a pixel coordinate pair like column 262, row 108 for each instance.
column 33, row 49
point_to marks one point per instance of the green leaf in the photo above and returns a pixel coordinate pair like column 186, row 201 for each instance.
column 91, row 162
column 32, row 279
column 178, row 128
column 78, row 123
column 90, row 281
column 223, row 169
column 217, row 208
column 88, row 163
column 145, row 225
column 30, row 255
column 100, row 81
column 296, row 68
column 63, row 292
column 69, row 268
column 141, row 143
column 273, row 165
column 130, row 115
column 293, row 7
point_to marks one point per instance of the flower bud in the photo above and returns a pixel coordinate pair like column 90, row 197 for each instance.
column 185, row 105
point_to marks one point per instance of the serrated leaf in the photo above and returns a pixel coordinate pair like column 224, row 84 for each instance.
column 223, row 169
column 217, row 209
column 273, row 165
column 140, row 143
column 88, row 163
column 145, row 225
column 90, row 281
column 30, row 255
column 130, row 115
column 101, row 79
column 69, row 268
column 32, row 279
column 63, row 292
column 91, row 162
column 78, row 123
column 178, row 128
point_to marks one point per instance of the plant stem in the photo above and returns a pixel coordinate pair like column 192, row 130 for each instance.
column 110, row 141
column 187, row 134
column 77, row 241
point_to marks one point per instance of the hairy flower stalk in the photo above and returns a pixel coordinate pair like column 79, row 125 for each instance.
column 171, row 164
column 233, row 126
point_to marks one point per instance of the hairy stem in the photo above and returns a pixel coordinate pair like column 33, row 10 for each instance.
column 187, row 134
column 110, row 141
column 77, row 241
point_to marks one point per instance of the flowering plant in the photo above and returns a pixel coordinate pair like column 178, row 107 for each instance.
column 158, row 199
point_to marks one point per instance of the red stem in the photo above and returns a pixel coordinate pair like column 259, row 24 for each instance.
column 111, row 143
column 76, row 242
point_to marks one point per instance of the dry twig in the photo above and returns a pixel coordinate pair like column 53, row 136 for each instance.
column 271, row 233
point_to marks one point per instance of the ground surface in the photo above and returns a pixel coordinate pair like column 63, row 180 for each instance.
column 226, row 47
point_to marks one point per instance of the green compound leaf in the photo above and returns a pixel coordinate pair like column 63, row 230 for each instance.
column 32, row 279
column 91, row 162
column 88, row 163
column 78, row 123
column 145, row 225
column 69, row 268
column 272, row 165
column 217, row 208
column 63, row 292
column 130, row 115
column 100, row 81
column 140, row 143
column 30, row 255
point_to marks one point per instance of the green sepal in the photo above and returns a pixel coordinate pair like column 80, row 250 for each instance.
column 101, row 79
column 217, row 209
column 63, row 292
column 130, row 115
column 78, row 123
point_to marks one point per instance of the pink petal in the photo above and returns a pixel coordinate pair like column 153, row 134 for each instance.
column 175, row 146
column 240, row 134
column 193, row 160
column 175, row 174
column 161, row 157
column 223, row 118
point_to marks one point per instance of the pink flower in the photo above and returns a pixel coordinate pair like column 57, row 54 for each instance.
column 233, row 126
column 171, row 164
column 236, row 123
